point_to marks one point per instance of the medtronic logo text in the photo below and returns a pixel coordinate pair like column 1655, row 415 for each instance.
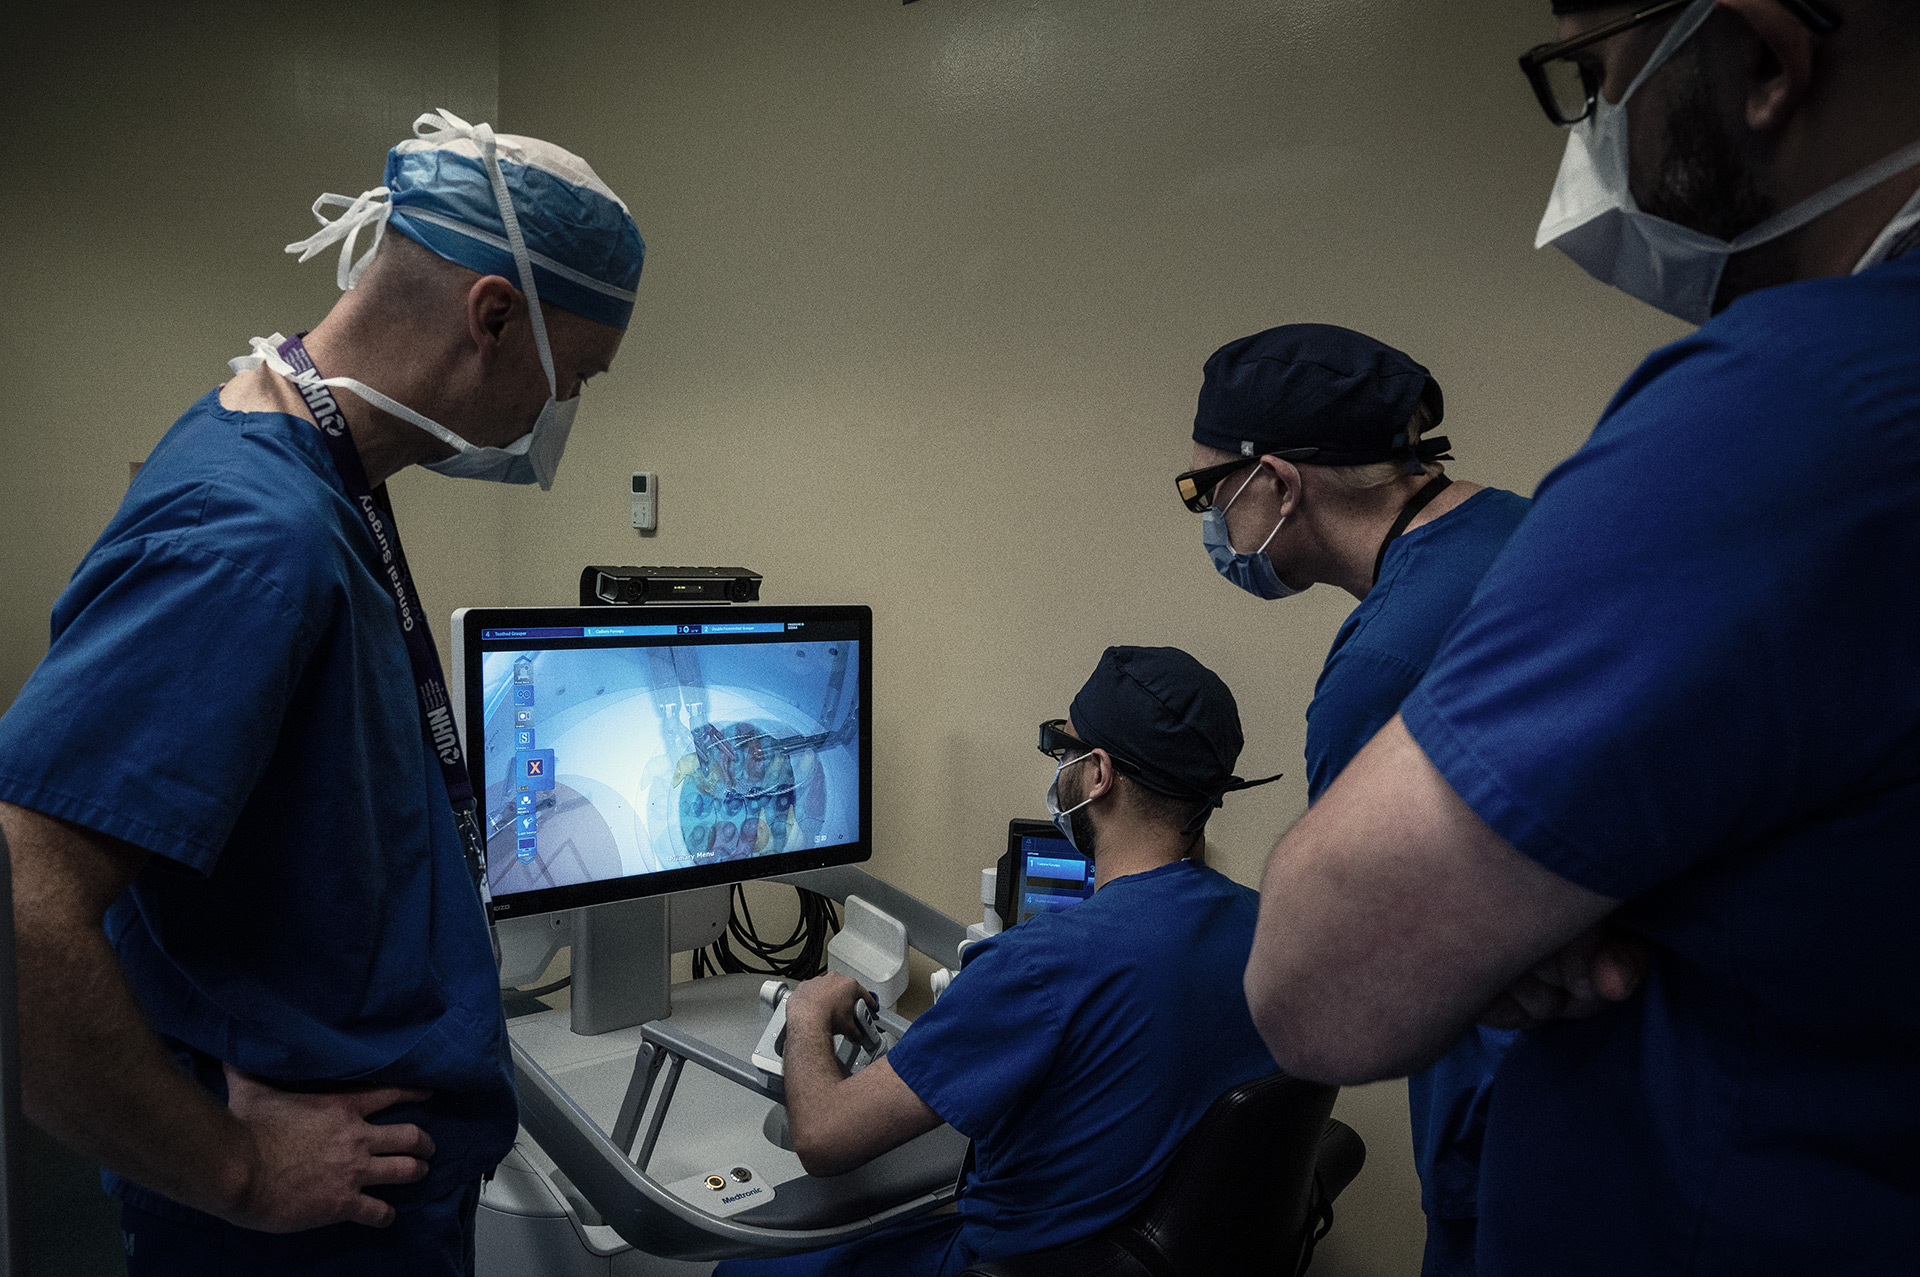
column 737, row 1197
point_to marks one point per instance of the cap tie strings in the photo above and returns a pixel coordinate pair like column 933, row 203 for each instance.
column 370, row 208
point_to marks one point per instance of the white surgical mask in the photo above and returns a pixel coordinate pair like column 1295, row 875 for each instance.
column 532, row 458
column 1592, row 216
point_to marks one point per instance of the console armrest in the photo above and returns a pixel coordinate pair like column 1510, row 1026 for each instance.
column 664, row 1035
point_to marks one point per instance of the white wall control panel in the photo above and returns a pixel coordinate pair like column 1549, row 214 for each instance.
column 646, row 488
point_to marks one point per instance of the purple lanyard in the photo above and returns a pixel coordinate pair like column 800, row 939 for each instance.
column 436, row 707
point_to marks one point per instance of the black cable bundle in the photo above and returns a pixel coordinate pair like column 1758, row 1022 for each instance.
column 801, row 956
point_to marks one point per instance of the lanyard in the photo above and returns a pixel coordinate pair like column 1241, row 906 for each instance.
column 1415, row 504
column 436, row 706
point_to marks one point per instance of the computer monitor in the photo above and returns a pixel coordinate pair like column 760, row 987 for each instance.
column 1040, row 873
column 629, row 753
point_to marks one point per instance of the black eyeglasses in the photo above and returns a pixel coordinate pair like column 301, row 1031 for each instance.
column 1196, row 486
column 1568, row 87
column 1056, row 742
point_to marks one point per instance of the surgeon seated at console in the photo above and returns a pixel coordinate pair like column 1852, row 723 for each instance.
column 1078, row 1048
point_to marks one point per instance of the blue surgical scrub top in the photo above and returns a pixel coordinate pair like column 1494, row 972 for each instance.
column 1381, row 652
column 228, row 689
column 1692, row 683
column 1078, row 1049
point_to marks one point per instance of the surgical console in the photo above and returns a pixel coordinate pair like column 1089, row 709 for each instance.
column 631, row 763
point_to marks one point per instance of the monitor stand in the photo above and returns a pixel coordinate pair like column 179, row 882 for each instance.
column 621, row 975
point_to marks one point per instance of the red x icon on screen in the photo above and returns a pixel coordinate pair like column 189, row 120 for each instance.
column 536, row 767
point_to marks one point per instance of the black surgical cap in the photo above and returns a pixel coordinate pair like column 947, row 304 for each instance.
column 1315, row 386
column 1167, row 716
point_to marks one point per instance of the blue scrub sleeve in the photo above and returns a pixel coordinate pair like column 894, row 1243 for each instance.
column 159, row 701
column 987, row 1043
column 1646, row 675
column 1357, row 694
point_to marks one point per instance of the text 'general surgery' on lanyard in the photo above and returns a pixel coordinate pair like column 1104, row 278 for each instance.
column 436, row 707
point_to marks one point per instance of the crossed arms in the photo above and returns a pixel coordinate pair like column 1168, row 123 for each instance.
column 1392, row 917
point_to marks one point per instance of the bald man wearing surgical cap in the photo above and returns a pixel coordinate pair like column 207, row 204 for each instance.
column 1088, row 1015
column 256, row 983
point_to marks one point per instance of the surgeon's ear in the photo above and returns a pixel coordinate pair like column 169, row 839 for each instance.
column 491, row 304
column 1099, row 777
column 1771, row 52
column 1287, row 475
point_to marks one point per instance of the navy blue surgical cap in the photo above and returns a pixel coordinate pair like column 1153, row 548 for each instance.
column 1315, row 386
column 1168, row 718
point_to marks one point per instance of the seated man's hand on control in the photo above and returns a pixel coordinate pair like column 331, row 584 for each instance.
column 830, row 999
column 315, row 1153
column 840, row 1122
column 1599, row 968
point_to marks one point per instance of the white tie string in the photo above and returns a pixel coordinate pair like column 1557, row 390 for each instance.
column 372, row 207
column 443, row 126
column 266, row 350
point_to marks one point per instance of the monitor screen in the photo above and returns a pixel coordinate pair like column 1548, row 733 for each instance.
column 1048, row 875
column 634, row 752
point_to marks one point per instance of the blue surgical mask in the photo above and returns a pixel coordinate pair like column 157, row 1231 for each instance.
column 1062, row 820
column 1252, row 571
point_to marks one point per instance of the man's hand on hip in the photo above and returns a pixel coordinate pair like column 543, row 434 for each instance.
column 315, row 1154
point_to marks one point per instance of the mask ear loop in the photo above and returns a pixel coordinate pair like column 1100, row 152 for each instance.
column 1683, row 29
column 1056, row 780
column 1229, row 505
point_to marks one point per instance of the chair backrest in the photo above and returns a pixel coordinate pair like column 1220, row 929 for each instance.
column 13, row 1237
column 1238, row 1197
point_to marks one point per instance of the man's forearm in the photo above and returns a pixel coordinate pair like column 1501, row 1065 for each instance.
column 92, row 1072
column 1391, row 916
column 840, row 1122
column 812, row 1075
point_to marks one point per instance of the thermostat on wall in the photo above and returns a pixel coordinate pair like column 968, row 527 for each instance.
column 646, row 486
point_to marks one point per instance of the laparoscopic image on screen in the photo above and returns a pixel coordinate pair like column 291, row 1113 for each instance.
column 608, row 762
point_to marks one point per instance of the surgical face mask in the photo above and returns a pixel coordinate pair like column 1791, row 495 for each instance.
column 1063, row 820
column 532, row 458
column 1252, row 571
column 1593, row 218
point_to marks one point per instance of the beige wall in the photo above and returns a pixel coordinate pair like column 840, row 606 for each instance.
column 158, row 159
column 928, row 292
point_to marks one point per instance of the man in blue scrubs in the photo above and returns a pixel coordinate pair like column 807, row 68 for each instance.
column 1078, row 1048
column 255, row 978
column 1311, row 450
column 1683, row 698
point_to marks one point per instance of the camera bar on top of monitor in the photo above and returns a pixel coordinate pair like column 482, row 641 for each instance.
column 602, row 585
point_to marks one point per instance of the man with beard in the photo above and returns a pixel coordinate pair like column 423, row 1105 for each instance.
column 1682, row 703
column 1065, row 1048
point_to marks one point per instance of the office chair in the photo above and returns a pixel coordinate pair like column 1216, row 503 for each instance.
column 1249, row 1191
